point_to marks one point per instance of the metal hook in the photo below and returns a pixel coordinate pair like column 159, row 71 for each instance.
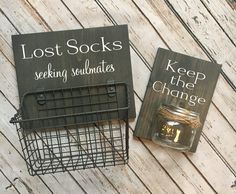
column 111, row 88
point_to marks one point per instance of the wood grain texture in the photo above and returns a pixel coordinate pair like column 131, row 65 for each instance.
column 15, row 170
column 6, row 185
column 210, row 35
column 224, row 15
column 232, row 4
column 181, row 169
column 151, row 24
column 6, row 30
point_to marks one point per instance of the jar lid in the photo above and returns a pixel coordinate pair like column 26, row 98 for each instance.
column 179, row 110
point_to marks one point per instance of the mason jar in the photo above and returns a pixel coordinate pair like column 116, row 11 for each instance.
column 176, row 127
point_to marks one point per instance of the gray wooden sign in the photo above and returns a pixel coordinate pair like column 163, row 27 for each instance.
column 179, row 80
column 60, row 61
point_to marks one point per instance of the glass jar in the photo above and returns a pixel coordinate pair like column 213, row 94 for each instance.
column 176, row 127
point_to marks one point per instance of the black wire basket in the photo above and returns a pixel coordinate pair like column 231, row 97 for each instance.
column 77, row 128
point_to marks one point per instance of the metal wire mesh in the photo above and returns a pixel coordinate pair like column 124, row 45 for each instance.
column 76, row 128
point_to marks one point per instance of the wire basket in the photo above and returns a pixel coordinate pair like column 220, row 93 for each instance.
column 77, row 128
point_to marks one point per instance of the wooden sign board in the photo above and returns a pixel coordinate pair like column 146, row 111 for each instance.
column 179, row 80
column 60, row 61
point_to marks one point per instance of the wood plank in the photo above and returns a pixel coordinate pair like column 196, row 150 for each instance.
column 222, row 136
column 92, row 181
column 124, row 180
column 179, row 167
column 147, row 39
column 17, row 183
column 8, row 78
column 121, row 177
column 12, row 163
column 220, row 178
column 6, row 187
column 55, row 14
column 73, row 8
column 5, row 36
column 232, row 4
column 148, row 170
column 224, row 99
column 209, row 34
column 224, row 15
column 24, row 15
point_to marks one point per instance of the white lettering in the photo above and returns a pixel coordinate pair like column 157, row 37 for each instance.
column 23, row 52
column 51, row 73
column 76, row 50
column 169, row 65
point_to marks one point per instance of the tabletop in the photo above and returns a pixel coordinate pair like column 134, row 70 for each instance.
column 205, row 29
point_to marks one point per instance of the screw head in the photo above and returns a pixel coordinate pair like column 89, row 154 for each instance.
column 41, row 99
